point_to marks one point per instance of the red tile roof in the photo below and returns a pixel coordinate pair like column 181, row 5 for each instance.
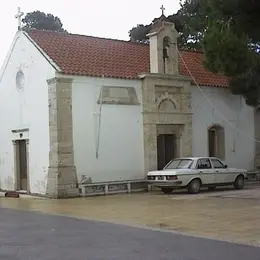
column 91, row 56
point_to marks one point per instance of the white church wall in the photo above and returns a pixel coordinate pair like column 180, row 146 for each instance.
column 25, row 109
column 120, row 152
column 239, row 144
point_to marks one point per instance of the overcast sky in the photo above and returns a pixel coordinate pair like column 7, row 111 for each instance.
column 103, row 18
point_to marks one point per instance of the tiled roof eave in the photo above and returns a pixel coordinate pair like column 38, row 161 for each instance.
column 132, row 78
column 88, row 56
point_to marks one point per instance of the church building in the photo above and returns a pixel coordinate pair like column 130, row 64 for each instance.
column 77, row 109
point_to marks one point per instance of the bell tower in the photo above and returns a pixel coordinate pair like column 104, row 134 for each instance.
column 163, row 46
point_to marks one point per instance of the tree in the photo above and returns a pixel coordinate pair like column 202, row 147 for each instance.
column 228, row 32
column 138, row 33
column 231, row 45
column 189, row 22
column 41, row 21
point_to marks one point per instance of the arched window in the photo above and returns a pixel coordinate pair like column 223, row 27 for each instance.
column 167, row 105
column 166, row 45
column 216, row 141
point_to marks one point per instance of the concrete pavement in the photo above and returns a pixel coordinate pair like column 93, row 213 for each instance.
column 226, row 215
column 31, row 235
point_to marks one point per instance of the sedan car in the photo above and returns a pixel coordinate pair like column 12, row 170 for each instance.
column 196, row 172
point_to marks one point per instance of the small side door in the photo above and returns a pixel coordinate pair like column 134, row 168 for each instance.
column 221, row 172
column 205, row 171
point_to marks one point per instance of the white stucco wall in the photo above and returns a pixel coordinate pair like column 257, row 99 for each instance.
column 239, row 143
column 121, row 154
column 26, row 109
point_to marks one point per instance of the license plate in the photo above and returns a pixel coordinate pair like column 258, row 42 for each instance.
column 160, row 178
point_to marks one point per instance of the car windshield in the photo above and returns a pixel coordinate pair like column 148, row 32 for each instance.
column 179, row 164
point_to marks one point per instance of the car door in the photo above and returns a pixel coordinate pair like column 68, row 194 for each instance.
column 221, row 172
column 205, row 171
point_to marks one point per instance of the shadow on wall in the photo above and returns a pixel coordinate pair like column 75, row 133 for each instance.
column 234, row 102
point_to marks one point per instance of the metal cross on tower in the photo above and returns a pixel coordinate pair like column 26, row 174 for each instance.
column 18, row 16
column 163, row 9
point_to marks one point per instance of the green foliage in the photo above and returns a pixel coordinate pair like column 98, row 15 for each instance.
column 248, row 85
column 231, row 45
column 228, row 31
column 189, row 21
column 225, row 51
column 138, row 33
column 41, row 21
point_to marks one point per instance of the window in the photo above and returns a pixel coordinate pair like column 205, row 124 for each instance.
column 217, row 164
column 216, row 142
column 204, row 164
column 166, row 51
column 179, row 164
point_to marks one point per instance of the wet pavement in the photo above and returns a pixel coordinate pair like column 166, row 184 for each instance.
column 223, row 215
column 31, row 235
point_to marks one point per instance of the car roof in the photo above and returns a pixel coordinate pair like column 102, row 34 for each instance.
column 195, row 158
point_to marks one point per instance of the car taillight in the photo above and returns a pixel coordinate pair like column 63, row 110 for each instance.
column 172, row 177
column 151, row 177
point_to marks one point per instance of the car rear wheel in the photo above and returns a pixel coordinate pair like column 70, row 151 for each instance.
column 167, row 190
column 194, row 186
column 239, row 182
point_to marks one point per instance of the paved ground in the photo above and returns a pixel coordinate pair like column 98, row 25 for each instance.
column 223, row 215
column 30, row 235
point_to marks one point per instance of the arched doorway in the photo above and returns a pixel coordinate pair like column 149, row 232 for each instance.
column 166, row 136
column 216, row 141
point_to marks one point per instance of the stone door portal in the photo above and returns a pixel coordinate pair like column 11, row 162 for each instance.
column 165, row 149
column 216, row 142
column 21, row 164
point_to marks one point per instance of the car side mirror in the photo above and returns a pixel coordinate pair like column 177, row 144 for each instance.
column 225, row 166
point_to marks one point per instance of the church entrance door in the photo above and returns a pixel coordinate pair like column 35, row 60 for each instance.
column 165, row 149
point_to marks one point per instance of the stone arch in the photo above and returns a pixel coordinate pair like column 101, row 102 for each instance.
column 216, row 141
column 166, row 45
column 166, row 105
column 171, row 101
column 166, row 51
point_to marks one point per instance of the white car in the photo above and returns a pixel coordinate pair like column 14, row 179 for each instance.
column 196, row 172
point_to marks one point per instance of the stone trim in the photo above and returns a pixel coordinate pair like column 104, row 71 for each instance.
column 165, row 118
column 17, row 183
column 59, row 80
column 220, row 148
column 167, row 77
column 257, row 136
column 62, row 175
column 129, row 99
column 170, row 129
column 20, row 130
column 177, row 88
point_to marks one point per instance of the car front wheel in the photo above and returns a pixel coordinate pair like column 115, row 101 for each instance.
column 167, row 190
column 194, row 186
column 239, row 182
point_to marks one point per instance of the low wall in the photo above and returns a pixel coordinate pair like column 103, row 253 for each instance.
column 92, row 189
